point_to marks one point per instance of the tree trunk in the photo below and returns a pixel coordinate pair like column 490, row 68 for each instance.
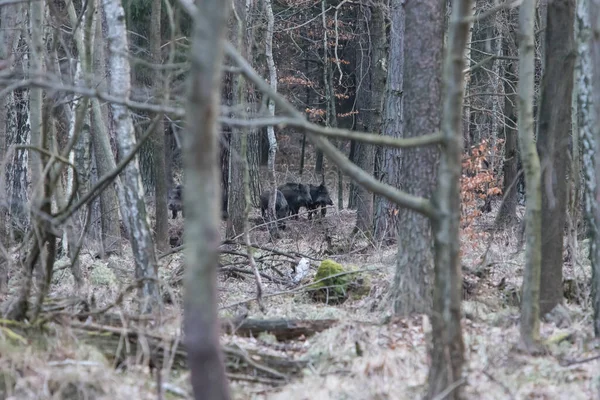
column 318, row 162
column 201, row 202
column 37, row 69
column 530, row 311
column 589, row 100
column 132, row 204
column 360, row 98
column 418, row 166
column 237, row 198
column 388, row 166
column 157, row 140
column 553, row 145
column 79, row 124
column 507, row 215
column 273, row 226
column 105, row 160
column 371, row 81
column 447, row 352
column 8, row 22
column 574, row 194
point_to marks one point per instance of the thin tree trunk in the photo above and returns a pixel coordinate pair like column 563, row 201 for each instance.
column 105, row 160
column 79, row 133
column 388, row 163
column 372, row 77
column 38, row 55
column 553, row 145
column 132, row 204
column 237, row 198
column 530, row 311
column 574, row 194
column 158, row 136
column 507, row 215
column 273, row 226
column 202, row 237
column 447, row 352
column 423, row 55
column 589, row 98
column 8, row 21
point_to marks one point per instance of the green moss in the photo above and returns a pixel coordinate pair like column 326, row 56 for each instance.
column 334, row 283
column 102, row 275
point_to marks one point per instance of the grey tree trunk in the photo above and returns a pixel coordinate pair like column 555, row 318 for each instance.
column 589, row 98
column 37, row 68
column 553, row 144
column 371, row 86
column 389, row 167
column 507, row 215
column 157, row 141
column 131, row 198
column 105, row 160
column 8, row 38
column 273, row 227
column 447, row 352
column 202, row 237
column 418, row 166
column 79, row 133
column 237, row 198
column 530, row 311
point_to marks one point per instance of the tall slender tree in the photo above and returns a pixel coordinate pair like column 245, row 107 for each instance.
column 507, row 215
column 553, row 144
column 370, row 77
column 105, row 161
column 417, row 171
column 447, row 352
column 392, row 124
column 530, row 324
column 202, row 237
column 131, row 198
column 8, row 20
column 158, row 136
column 236, row 198
column 590, row 101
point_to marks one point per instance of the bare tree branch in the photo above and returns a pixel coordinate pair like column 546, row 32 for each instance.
column 419, row 204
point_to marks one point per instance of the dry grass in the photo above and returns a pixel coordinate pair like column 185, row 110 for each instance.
column 365, row 356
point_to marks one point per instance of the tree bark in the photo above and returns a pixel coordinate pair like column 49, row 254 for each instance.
column 237, row 198
column 389, row 167
column 105, row 160
column 158, row 136
column 418, row 166
column 79, row 125
column 530, row 323
column 37, row 68
column 553, row 144
column 589, row 98
column 201, row 202
column 371, row 82
column 273, row 226
column 447, row 352
column 507, row 215
column 131, row 198
column 8, row 22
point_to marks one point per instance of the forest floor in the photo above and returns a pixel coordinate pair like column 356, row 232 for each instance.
column 365, row 355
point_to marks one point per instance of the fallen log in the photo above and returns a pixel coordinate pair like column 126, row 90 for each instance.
column 282, row 329
column 122, row 344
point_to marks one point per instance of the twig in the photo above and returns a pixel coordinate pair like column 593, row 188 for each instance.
column 502, row 385
column 565, row 363
column 449, row 389
column 308, row 286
